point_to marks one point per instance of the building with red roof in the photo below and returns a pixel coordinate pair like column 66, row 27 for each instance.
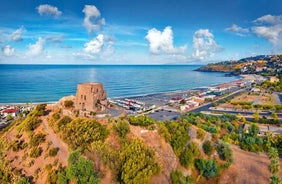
column 12, row 112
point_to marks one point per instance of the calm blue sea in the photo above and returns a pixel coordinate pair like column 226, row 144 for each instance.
column 48, row 83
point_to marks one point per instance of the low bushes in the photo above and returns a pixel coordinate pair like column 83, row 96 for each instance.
column 208, row 148
column 35, row 152
column 80, row 133
column 207, row 168
column 31, row 123
column 53, row 152
column 68, row 103
column 35, row 140
column 17, row 145
column 241, row 103
column 224, row 151
column 122, row 128
column 141, row 120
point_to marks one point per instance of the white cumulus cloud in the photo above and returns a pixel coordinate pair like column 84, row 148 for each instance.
column 270, row 28
column 46, row 9
column 270, row 19
column 162, row 42
column 204, row 44
column 17, row 35
column 37, row 48
column 237, row 30
column 8, row 50
column 95, row 45
column 92, row 20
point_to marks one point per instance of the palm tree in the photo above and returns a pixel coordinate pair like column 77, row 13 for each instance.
column 274, row 179
column 274, row 166
column 273, row 153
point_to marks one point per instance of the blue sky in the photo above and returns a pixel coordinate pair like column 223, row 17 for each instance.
column 137, row 32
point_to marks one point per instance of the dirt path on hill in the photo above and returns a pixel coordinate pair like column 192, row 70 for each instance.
column 63, row 152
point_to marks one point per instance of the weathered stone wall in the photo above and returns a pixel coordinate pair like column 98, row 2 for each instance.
column 91, row 97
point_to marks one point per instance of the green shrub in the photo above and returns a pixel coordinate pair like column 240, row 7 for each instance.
column 194, row 148
column 253, row 130
column 56, row 116
column 108, row 154
column 36, row 139
column 225, row 165
column 247, row 107
column 274, row 179
column 122, row 128
column 31, row 123
column 241, row 103
column 68, row 103
column 179, row 135
column 278, row 107
column 212, row 129
column 57, row 176
column 9, row 117
column 141, row 120
column 23, row 180
column 80, row 133
column 39, row 110
column 186, row 158
column 178, row 178
column 224, row 151
column 200, row 134
column 163, row 131
column 63, row 122
column 35, row 152
column 17, row 145
column 139, row 163
column 207, row 168
column 81, row 169
column 53, row 152
column 208, row 148
column 274, row 166
column 267, row 107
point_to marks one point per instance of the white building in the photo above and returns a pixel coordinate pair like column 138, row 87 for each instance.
column 12, row 112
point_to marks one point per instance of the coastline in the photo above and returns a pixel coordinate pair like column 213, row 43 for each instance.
column 240, row 77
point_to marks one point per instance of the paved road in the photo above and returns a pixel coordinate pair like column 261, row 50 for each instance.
column 248, row 114
column 207, row 106
column 63, row 152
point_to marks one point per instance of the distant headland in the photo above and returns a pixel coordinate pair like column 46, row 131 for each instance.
column 266, row 65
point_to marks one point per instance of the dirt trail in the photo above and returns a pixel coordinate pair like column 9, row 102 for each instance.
column 63, row 152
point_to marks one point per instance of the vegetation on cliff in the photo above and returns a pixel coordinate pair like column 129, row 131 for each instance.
column 201, row 145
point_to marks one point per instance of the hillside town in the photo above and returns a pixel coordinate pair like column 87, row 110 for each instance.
column 266, row 65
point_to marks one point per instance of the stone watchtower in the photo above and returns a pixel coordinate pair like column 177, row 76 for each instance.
column 91, row 97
